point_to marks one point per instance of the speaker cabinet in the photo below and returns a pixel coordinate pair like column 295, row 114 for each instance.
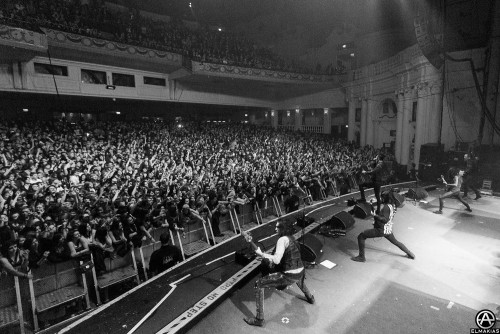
column 427, row 42
column 432, row 153
column 397, row 198
column 417, row 193
column 310, row 248
column 362, row 210
column 340, row 221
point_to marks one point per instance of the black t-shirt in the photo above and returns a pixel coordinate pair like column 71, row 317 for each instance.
column 292, row 203
column 165, row 257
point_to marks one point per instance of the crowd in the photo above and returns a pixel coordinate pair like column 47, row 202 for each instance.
column 93, row 18
column 68, row 189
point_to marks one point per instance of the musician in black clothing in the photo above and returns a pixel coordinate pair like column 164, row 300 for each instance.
column 470, row 176
column 376, row 175
column 382, row 227
column 289, row 269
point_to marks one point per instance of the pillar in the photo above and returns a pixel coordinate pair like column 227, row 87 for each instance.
column 399, row 124
column 369, row 122
column 327, row 121
column 351, row 121
column 274, row 119
column 420, row 129
column 298, row 119
column 435, row 111
column 407, row 99
column 364, row 112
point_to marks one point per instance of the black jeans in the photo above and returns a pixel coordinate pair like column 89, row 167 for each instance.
column 215, row 223
column 455, row 193
column 376, row 189
column 469, row 182
column 375, row 233
column 278, row 280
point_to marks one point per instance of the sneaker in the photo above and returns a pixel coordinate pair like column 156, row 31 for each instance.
column 477, row 197
column 358, row 259
column 310, row 299
column 410, row 255
column 255, row 322
column 468, row 209
column 438, row 212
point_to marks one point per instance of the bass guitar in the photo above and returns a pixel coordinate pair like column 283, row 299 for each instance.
column 248, row 237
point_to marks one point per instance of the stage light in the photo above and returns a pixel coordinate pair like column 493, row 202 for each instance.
column 179, row 126
column 344, row 46
column 190, row 5
column 118, row 113
column 246, row 115
column 25, row 109
column 352, row 54
column 347, row 126
column 220, row 29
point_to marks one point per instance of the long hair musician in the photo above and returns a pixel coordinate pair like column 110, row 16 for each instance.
column 288, row 269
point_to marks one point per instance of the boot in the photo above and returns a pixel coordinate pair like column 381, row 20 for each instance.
column 255, row 322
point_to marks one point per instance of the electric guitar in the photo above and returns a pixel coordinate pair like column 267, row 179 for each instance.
column 441, row 179
column 248, row 237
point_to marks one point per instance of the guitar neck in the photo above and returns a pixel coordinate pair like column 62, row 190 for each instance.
column 254, row 246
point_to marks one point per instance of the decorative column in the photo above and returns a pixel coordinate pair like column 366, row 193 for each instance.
column 399, row 124
column 420, row 129
column 298, row 119
column 327, row 121
column 364, row 112
column 407, row 98
column 434, row 112
column 351, row 122
column 274, row 119
column 369, row 122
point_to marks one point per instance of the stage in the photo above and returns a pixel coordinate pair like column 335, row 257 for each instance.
column 455, row 274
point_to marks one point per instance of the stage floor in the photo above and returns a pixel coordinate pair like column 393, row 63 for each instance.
column 455, row 274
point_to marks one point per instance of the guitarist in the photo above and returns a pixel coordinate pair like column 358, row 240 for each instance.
column 453, row 189
column 289, row 269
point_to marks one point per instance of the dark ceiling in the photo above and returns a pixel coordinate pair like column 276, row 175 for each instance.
column 467, row 21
